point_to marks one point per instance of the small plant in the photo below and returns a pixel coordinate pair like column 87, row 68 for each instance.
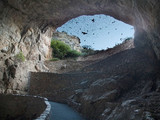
column 73, row 53
column 117, row 44
column 87, row 50
column 20, row 57
column 127, row 39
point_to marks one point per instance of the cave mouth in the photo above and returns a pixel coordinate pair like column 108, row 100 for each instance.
column 98, row 31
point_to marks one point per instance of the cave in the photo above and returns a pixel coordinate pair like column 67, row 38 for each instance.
column 123, row 86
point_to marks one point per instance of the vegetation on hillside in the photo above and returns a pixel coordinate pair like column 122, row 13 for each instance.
column 128, row 38
column 87, row 50
column 124, row 41
column 62, row 50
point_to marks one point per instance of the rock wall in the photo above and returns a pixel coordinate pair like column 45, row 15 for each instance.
column 21, row 107
column 72, row 41
column 16, row 36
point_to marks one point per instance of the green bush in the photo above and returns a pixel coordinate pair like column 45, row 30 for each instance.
column 87, row 50
column 20, row 57
column 62, row 50
column 73, row 53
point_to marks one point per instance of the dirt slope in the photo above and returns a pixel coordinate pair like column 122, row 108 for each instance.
column 63, row 66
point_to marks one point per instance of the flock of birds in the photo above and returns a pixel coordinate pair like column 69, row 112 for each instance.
column 93, row 20
column 89, row 31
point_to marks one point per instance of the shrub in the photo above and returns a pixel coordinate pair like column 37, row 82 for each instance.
column 20, row 57
column 62, row 50
column 73, row 53
column 87, row 50
column 127, row 39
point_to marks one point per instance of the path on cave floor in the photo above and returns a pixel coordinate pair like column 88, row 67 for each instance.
column 63, row 112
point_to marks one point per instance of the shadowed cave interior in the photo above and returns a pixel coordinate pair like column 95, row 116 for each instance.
column 118, row 84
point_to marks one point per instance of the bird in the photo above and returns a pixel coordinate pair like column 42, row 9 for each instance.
column 92, row 20
column 84, row 33
column 113, row 21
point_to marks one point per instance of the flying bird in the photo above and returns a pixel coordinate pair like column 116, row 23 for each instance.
column 84, row 33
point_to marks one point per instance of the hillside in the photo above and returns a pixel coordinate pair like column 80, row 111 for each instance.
column 63, row 66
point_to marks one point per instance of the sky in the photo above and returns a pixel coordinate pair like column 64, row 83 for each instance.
column 98, row 31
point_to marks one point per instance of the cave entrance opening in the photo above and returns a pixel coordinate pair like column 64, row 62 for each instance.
column 98, row 31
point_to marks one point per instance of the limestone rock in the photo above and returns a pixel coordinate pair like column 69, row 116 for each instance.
column 72, row 41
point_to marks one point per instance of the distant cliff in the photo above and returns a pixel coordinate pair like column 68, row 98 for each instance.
column 72, row 41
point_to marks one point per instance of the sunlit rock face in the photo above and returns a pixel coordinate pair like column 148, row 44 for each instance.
column 72, row 41
column 27, row 26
